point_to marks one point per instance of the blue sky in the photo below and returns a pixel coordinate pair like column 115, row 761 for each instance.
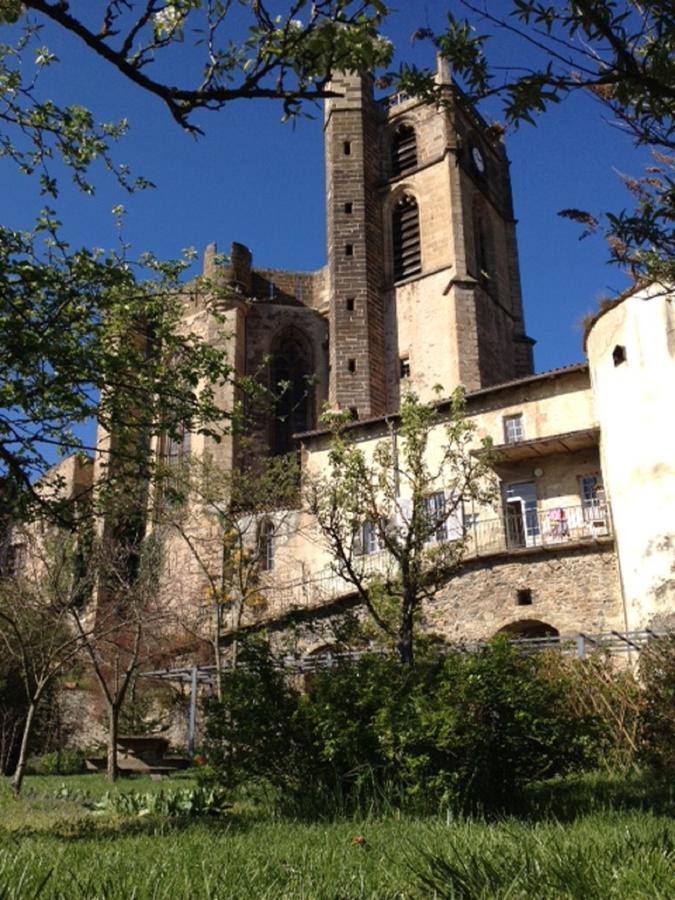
column 260, row 182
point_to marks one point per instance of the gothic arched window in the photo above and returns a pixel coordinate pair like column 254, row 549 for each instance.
column 403, row 150
column 407, row 253
column 291, row 382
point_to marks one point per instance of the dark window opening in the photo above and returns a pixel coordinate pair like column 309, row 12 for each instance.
column 347, row 147
column 404, row 369
column 406, row 238
column 349, row 249
column 291, row 380
column 619, row 355
column 353, row 412
column 524, row 597
column 403, row 150
column 351, row 304
column 349, row 208
column 351, row 365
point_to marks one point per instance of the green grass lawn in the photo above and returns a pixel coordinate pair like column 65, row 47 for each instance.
column 52, row 846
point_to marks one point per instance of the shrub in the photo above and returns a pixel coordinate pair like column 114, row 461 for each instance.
column 466, row 730
column 58, row 762
column 657, row 718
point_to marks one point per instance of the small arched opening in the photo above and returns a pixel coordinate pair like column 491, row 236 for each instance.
column 529, row 628
column 265, row 545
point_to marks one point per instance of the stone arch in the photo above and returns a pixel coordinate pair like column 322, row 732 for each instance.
column 291, row 381
column 529, row 628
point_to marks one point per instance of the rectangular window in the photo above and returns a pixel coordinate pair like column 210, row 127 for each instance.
column 513, row 429
column 437, row 517
column 367, row 539
column 404, row 370
column 349, row 249
column 351, row 302
column 351, row 365
column 347, row 147
column 175, row 449
column 349, row 208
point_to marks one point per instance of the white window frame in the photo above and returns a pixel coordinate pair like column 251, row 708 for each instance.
column 518, row 435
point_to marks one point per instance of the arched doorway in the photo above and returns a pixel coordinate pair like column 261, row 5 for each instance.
column 529, row 628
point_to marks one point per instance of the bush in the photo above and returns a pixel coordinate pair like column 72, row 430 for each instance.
column 657, row 718
column 464, row 730
column 58, row 762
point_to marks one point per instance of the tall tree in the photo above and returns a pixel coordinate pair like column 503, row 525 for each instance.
column 391, row 516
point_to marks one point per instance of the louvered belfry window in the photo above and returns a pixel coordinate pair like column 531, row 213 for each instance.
column 406, row 234
column 404, row 150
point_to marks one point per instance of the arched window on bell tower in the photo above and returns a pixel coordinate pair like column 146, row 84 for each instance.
column 405, row 229
column 403, row 150
column 291, row 374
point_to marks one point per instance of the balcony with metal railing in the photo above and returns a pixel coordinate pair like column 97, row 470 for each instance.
column 530, row 531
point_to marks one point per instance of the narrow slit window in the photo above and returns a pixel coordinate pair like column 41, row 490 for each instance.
column 347, row 147
column 351, row 304
column 404, row 150
column 349, row 249
column 351, row 365
column 404, row 368
column 406, row 238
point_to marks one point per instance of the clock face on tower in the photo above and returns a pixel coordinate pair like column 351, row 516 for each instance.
column 477, row 159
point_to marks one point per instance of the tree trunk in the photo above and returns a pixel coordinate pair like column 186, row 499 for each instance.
column 113, row 724
column 405, row 636
column 19, row 772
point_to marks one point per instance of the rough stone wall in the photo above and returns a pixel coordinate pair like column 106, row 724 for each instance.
column 355, row 250
column 573, row 590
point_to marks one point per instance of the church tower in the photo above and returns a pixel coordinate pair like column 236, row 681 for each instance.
column 424, row 285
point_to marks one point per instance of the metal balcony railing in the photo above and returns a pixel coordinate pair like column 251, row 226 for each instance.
column 530, row 528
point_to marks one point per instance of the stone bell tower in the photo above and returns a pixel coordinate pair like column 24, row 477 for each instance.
column 424, row 284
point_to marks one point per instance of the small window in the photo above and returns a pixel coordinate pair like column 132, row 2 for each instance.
column 513, row 429
column 175, row 449
column 349, row 249
column 524, row 597
column 353, row 412
column 347, row 147
column 406, row 237
column 266, row 545
column 367, row 539
column 591, row 491
column 351, row 302
column 349, row 208
column 403, row 150
column 14, row 561
column 351, row 365
column 437, row 517
column 619, row 355
column 404, row 368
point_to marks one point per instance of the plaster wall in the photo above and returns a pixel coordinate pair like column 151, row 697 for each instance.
column 634, row 402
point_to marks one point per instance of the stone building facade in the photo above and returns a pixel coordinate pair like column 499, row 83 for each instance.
column 421, row 288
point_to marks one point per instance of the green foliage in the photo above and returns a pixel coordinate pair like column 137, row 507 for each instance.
column 250, row 53
column 657, row 719
column 466, row 731
column 87, row 334
column 57, row 762
column 181, row 803
column 409, row 493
